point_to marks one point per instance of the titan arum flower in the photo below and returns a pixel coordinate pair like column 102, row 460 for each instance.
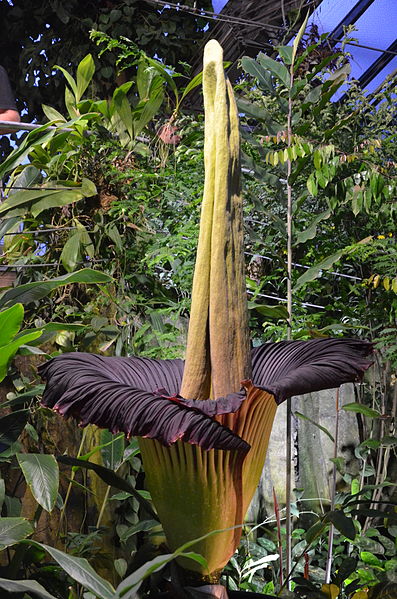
column 204, row 424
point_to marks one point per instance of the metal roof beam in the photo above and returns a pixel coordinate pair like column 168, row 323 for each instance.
column 378, row 65
column 351, row 17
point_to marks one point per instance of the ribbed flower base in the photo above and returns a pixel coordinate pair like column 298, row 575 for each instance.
column 197, row 492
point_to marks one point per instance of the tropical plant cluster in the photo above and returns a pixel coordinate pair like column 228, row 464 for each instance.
column 100, row 225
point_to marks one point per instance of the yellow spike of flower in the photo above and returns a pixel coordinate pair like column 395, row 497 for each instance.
column 218, row 348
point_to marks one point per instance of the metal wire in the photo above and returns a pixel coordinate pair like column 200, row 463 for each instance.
column 43, row 188
column 269, row 258
column 219, row 17
column 41, row 231
column 282, row 299
column 4, row 267
column 331, row 272
column 223, row 18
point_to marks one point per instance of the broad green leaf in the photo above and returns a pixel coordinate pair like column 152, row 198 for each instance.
column 271, row 312
column 97, row 448
column 252, row 67
column 361, row 409
column 122, row 111
column 24, row 397
column 311, row 185
column 285, row 52
column 52, row 114
column 339, row 463
column 71, row 252
column 354, row 486
column 87, row 247
column 279, row 70
column 315, row 271
column 70, row 102
column 41, row 473
column 322, row 428
column 10, row 322
column 23, row 197
column 150, row 109
column 165, row 74
column 344, row 524
column 389, row 441
column 197, row 80
column 310, row 232
column 144, row 77
column 84, row 75
column 317, row 159
column 11, row 426
column 261, row 173
column 134, row 580
column 29, row 176
column 113, row 232
column 9, row 225
column 63, row 326
column 339, row 76
column 42, row 199
column 17, row 156
column 81, row 571
column 112, row 449
column 314, row 95
column 347, row 567
column 369, row 558
column 141, row 526
column 120, row 565
column 69, row 79
column 22, row 587
column 373, row 513
column 36, row 290
column 7, row 352
column 13, row 530
column 258, row 112
column 88, row 188
column 55, row 200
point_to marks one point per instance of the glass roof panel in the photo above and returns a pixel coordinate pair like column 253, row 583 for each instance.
column 376, row 28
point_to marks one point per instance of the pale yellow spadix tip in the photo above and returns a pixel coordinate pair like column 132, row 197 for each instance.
column 213, row 52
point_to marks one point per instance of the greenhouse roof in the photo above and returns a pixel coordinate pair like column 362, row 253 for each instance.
column 373, row 49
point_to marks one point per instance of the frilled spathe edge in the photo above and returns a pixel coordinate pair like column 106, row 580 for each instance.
column 139, row 396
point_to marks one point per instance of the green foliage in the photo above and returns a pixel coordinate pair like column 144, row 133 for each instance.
column 29, row 51
column 42, row 475
column 13, row 530
column 25, row 586
column 134, row 205
column 10, row 338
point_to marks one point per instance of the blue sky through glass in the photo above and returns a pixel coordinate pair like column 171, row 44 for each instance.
column 376, row 28
column 218, row 4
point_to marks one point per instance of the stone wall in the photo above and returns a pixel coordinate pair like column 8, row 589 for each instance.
column 312, row 451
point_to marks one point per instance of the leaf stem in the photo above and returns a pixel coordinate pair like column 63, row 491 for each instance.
column 288, row 524
column 69, row 489
column 333, row 490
